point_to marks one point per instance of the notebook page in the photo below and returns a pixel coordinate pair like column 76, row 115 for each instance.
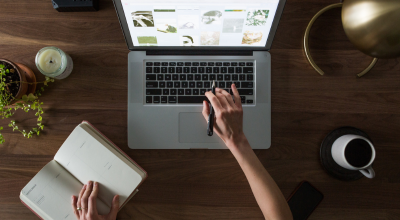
column 88, row 159
column 92, row 131
column 49, row 193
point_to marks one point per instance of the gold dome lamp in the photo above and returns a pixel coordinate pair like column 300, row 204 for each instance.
column 373, row 26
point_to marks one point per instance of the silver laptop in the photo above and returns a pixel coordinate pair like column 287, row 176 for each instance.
column 178, row 47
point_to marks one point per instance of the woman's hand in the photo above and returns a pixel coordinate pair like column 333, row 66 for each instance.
column 87, row 204
column 228, row 116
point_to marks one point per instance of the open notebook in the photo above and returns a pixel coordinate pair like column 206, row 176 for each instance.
column 85, row 155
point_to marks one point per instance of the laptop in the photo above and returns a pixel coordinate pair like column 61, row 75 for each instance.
column 177, row 48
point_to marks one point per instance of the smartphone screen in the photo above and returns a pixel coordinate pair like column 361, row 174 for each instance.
column 304, row 200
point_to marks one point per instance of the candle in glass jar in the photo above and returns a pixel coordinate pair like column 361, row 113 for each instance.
column 49, row 60
column 53, row 62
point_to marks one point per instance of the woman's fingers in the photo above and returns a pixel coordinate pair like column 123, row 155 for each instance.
column 114, row 207
column 236, row 95
column 222, row 99
column 206, row 110
column 78, row 203
column 85, row 197
column 206, row 113
column 92, row 198
column 74, row 207
column 228, row 97
column 214, row 101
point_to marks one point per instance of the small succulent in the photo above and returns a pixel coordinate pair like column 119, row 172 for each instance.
column 26, row 103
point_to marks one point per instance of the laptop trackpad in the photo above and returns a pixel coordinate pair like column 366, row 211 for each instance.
column 193, row 129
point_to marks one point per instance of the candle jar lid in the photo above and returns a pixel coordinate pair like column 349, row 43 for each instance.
column 62, row 67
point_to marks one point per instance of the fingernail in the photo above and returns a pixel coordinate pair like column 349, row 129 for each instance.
column 95, row 183
column 72, row 197
column 89, row 183
column 233, row 85
column 84, row 186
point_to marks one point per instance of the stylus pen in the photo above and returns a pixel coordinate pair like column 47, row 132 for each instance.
column 210, row 122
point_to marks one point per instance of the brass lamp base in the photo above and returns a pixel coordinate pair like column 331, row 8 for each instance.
column 307, row 50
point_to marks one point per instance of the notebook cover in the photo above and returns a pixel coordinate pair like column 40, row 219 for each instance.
column 31, row 209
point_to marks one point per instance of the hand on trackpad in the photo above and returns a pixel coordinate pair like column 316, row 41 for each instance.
column 193, row 129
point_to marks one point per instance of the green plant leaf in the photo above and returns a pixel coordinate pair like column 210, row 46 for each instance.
column 27, row 102
column 31, row 97
column 25, row 98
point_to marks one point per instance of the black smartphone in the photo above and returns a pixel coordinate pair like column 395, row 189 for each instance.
column 304, row 200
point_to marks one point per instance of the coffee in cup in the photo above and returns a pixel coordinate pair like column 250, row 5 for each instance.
column 354, row 152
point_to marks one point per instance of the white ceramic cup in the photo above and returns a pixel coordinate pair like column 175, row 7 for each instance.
column 338, row 154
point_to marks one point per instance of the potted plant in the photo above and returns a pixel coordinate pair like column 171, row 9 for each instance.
column 18, row 91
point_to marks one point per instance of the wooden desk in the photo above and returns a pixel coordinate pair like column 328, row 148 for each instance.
column 208, row 184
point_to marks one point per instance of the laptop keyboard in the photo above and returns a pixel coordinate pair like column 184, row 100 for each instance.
column 186, row 82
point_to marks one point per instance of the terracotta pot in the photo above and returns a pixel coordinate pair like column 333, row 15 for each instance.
column 26, row 75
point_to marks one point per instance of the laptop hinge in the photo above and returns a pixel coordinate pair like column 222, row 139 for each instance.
column 200, row 52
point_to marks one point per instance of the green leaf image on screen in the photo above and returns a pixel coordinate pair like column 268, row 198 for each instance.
column 147, row 41
column 257, row 17
column 211, row 17
column 169, row 29
column 166, row 25
column 142, row 19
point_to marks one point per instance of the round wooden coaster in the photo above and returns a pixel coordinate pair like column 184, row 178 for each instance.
column 327, row 161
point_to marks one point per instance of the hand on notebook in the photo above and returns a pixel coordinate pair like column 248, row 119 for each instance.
column 228, row 115
column 85, row 205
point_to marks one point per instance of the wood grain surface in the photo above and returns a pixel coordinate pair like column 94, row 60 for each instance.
column 209, row 184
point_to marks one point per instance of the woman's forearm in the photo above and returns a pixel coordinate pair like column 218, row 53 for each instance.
column 268, row 196
column 229, row 127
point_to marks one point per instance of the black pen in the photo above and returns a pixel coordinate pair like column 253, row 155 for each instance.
column 210, row 122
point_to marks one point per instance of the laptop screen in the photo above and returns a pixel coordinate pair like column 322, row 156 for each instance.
column 215, row 23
